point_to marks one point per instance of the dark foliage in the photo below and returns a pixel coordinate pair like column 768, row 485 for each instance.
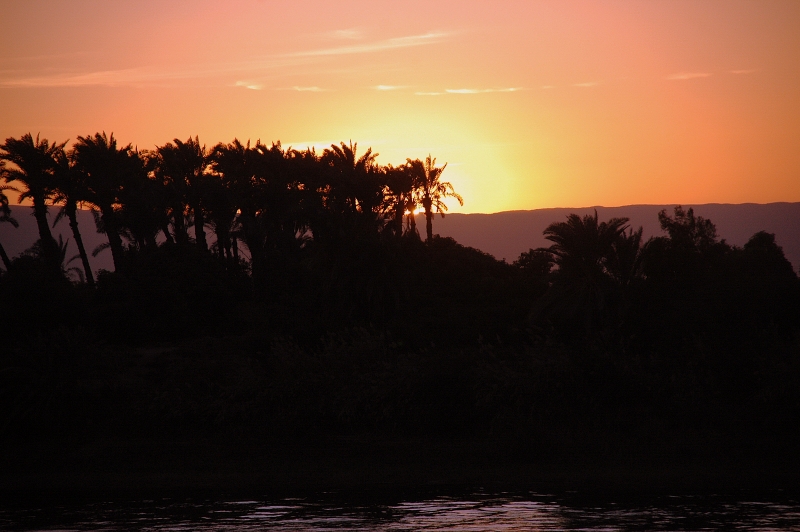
column 315, row 309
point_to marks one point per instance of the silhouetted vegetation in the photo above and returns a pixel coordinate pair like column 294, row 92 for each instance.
column 283, row 292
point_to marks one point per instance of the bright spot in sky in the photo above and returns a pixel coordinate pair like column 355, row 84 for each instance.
column 542, row 104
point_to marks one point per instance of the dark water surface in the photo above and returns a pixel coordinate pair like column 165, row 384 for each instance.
column 477, row 511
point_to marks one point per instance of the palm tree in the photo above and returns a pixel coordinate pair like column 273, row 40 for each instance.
column 400, row 183
column 354, row 187
column 431, row 191
column 70, row 190
column 103, row 167
column 34, row 163
column 235, row 165
column 182, row 166
column 582, row 246
column 583, row 250
column 5, row 217
column 143, row 206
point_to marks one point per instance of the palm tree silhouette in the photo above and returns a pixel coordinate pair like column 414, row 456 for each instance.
column 582, row 246
column 69, row 189
column 143, row 201
column 400, row 183
column 431, row 190
column 34, row 163
column 182, row 168
column 103, row 166
column 353, row 183
column 238, row 166
column 583, row 250
column 5, row 217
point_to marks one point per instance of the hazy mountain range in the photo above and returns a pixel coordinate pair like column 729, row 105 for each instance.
column 504, row 234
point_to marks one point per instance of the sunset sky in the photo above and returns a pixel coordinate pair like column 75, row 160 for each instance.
column 531, row 103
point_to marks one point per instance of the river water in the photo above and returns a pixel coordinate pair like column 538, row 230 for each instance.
column 476, row 511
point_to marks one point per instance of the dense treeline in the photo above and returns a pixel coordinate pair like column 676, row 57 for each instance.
column 334, row 314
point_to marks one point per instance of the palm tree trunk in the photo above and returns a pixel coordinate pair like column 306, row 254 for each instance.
column 73, row 224
column 399, row 208
column 111, row 230
column 4, row 257
column 199, row 230
column 49, row 246
column 254, row 238
column 168, row 237
column 412, row 220
column 428, row 225
column 427, row 203
column 40, row 213
column 179, row 225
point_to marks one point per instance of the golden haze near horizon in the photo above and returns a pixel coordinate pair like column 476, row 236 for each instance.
column 532, row 104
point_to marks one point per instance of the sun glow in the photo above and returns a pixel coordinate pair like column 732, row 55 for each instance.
column 530, row 104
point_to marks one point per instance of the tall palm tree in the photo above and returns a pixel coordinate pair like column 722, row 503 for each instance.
column 400, row 184
column 33, row 163
column 143, row 211
column 70, row 189
column 354, row 188
column 431, row 190
column 5, row 217
column 103, row 166
column 238, row 167
column 182, row 167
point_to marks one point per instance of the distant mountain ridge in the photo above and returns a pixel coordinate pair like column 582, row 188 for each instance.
column 503, row 234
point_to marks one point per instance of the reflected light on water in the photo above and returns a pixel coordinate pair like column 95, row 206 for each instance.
column 476, row 512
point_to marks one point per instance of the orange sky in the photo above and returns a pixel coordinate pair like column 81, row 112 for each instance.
column 532, row 104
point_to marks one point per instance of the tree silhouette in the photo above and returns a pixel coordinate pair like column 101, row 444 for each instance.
column 5, row 217
column 103, row 168
column 582, row 247
column 182, row 168
column 688, row 231
column 352, row 190
column 69, row 189
column 431, row 190
column 400, row 183
column 240, row 169
column 143, row 211
column 583, row 250
column 33, row 165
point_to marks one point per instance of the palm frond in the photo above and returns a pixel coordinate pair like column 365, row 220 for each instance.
column 102, row 247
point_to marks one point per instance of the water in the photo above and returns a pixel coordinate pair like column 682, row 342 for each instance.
column 479, row 511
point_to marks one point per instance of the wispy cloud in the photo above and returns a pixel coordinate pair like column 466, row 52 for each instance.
column 689, row 75
column 481, row 91
column 163, row 74
column 307, row 89
column 377, row 46
column 389, row 87
column 586, row 84
column 349, row 34
column 249, row 85
column 428, row 93
column 548, row 86
column 128, row 76
column 750, row 71
column 140, row 76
